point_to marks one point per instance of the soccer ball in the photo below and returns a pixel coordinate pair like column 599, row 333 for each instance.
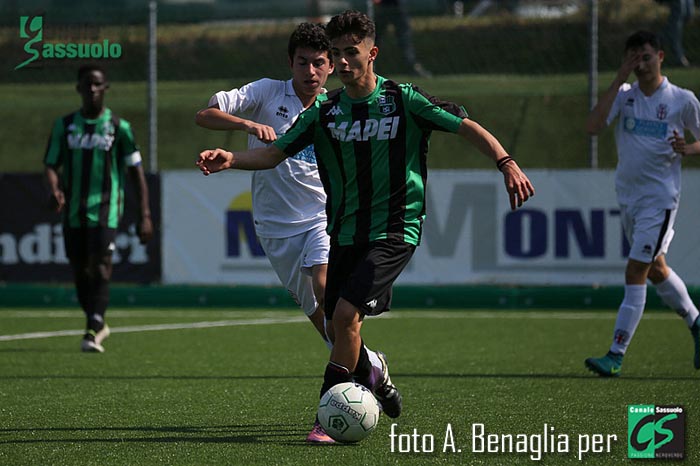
column 348, row 412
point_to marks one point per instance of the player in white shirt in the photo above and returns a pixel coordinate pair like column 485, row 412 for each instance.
column 289, row 201
column 652, row 116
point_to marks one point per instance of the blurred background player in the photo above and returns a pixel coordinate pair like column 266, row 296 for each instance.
column 652, row 115
column 288, row 201
column 681, row 12
column 371, row 139
column 88, row 155
column 389, row 13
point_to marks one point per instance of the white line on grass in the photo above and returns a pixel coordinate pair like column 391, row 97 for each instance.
column 499, row 314
column 153, row 314
column 154, row 328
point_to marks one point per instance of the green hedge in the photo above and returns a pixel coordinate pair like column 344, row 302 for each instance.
column 444, row 45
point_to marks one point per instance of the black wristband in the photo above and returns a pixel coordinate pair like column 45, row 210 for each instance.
column 503, row 161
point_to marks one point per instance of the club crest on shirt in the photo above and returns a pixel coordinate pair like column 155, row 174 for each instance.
column 662, row 111
column 386, row 104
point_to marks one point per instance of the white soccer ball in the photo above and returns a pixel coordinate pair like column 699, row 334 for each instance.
column 348, row 412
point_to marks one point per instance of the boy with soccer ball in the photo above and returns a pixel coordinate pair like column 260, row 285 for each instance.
column 371, row 139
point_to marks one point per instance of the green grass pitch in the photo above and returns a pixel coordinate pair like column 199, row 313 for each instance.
column 186, row 387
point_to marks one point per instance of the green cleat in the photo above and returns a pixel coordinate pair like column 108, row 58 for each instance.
column 695, row 331
column 609, row 365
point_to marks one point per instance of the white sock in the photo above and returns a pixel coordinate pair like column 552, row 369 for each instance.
column 628, row 317
column 674, row 294
column 328, row 343
column 373, row 358
column 327, row 340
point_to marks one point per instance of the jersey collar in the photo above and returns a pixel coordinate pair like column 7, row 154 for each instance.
column 289, row 88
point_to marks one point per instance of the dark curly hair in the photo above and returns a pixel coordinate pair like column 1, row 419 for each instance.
column 640, row 38
column 311, row 36
column 352, row 22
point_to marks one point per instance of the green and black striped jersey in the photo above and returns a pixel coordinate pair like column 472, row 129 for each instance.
column 371, row 156
column 94, row 156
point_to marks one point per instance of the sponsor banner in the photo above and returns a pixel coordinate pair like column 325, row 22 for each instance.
column 208, row 231
column 31, row 235
column 568, row 234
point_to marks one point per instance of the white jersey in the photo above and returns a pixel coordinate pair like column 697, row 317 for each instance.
column 648, row 171
column 289, row 199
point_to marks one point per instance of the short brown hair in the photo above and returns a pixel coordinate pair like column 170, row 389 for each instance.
column 352, row 22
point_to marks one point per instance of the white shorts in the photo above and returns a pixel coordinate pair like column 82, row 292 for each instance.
column 292, row 259
column 649, row 231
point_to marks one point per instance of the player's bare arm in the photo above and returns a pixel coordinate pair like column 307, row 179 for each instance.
column 215, row 160
column 56, row 197
column 597, row 119
column 145, row 226
column 518, row 185
column 214, row 118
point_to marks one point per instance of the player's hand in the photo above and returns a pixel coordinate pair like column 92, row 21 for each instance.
column 57, row 200
column 145, row 230
column 517, row 184
column 212, row 161
column 263, row 132
column 677, row 142
column 629, row 63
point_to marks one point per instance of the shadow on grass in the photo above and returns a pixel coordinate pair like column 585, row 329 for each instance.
column 241, row 433
column 27, row 350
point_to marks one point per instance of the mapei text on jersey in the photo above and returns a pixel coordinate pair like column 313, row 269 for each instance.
column 363, row 130
column 90, row 141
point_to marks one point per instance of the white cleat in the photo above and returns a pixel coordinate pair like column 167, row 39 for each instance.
column 92, row 342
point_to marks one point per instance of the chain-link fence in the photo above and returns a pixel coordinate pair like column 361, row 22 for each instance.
column 217, row 38
column 205, row 46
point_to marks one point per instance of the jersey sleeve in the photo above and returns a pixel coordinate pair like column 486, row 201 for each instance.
column 243, row 100
column 127, row 145
column 691, row 116
column 54, row 149
column 433, row 115
column 615, row 109
column 301, row 134
column 451, row 107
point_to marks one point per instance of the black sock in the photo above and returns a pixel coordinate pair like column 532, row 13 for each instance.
column 364, row 367
column 335, row 374
column 95, row 322
column 82, row 291
column 100, row 300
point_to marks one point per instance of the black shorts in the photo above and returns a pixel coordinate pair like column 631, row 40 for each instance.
column 88, row 241
column 364, row 274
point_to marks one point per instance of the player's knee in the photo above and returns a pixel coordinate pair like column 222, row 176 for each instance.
column 658, row 273
column 345, row 316
column 103, row 269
